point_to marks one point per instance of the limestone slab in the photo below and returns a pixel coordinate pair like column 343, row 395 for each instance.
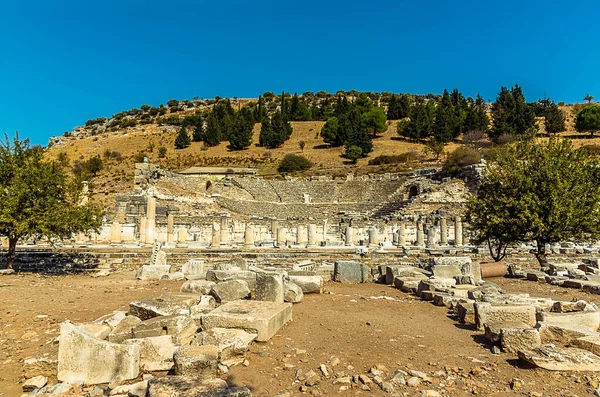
column 309, row 284
column 231, row 290
column 556, row 358
column 515, row 339
column 485, row 313
column 153, row 272
column 201, row 361
column 351, row 272
column 165, row 305
column 269, row 287
column 181, row 328
column 201, row 287
column 186, row 386
column 156, row 353
column 262, row 318
column 231, row 343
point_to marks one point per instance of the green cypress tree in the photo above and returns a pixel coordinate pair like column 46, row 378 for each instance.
column 240, row 137
column 477, row 118
column 554, row 119
column 422, row 115
column 329, row 132
column 445, row 119
column 183, row 139
column 359, row 135
column 198, row 134
column 212, row 135
column 511, row 114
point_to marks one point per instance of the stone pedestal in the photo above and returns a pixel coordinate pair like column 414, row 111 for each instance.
column 349, row 235
column 115, row 233
column 312, row 235
column 402, row 234
column 170, row 234
column 443, row 231
column 301, row 237
column 458, row 232
column 215, row 240
column 182, row 236
column 249, row 236
column 373, row 237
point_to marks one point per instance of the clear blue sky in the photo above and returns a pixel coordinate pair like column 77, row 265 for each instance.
column 65, row 61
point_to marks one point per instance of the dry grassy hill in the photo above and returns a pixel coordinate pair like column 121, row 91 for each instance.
column 117, row 175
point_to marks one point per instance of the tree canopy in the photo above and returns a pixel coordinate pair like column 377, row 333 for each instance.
column 38, row 198
column 588, row 119
column 543, row 192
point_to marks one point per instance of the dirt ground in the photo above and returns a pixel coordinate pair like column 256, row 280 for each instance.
column 359, row 326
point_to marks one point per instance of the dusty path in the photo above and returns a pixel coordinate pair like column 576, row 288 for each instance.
column 349, row 325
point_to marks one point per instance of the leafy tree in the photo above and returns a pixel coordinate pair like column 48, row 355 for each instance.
column 588, row 119
column 435, row 147
column 511, row 115
column 172, row 103
column 212, row 135
column 353, row 153
column 445, row 125
column 302, row 145
column 183, row 139
column 358, row 134
column 162, row 152
column 363, row 103
column 588, row 98
column 275, row 132
column 398, row 107
column 145, row 108
column 543, row 192
column 554, row 118
column 93, row 166
column 198, row 133
column 299, row 111
column 374, row 120
column 329, row 132
column 476, row 118
column 422, row 115
column 240, row 137
column 293, row 163
column 38, row 199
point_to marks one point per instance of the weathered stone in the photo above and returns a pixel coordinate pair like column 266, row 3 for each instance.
column 560, row 333
column 515, row 339
column 113, row 319
column 590, row 343
column 200, row 361
column 45, row 363
column 139, row 389
column 230, row 291
column 309, row 284
column 292, row 293
column 193, row 386
column 173, row 276
column 393, row 271
column 485, row 313
column 351, row 272
column 165, row 305
column 35, row 383
column 156, row 353
column 262, row 318
column 194, row 268
column 201, row 287
column 218, row 276
column 207, row 304
column 451, row 260
column 153, row 272
column 493, row 330
column 407, row 284
column 269, row 287
column 465, row 312
column 446, row 271
column 556, row 358
column 181, row 328
column 589, row 320
column 124, row 329
column 231, row 343
column 578, row 306
column 99, row 331
column 110, row 360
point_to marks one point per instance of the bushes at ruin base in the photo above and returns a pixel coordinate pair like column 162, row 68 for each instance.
column 460, row 158
column 293, row 163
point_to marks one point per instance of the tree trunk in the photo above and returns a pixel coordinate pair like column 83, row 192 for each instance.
column 540, row 255
column 11, row 254
column 497, row 252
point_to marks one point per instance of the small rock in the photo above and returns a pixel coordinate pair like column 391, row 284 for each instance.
column 413, row 382
column 35, row 383
column 430, row 393
column 387, row 387
column 516, row 384
column 496, row 350
column 324, row 370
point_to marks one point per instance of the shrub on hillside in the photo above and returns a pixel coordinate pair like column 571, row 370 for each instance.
column 293, row 162
column 460, row 158
column 139, row 157
column 394, row 159
column 162, row 152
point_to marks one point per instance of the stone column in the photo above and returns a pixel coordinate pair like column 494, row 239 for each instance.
column 432, row 238
column 402, row 234
column 312, row 235
column 215, row 241
column 274, row 228
column 170, row 234
column 281, row 237
column 249, row 236
column 182, row 236
column 151, row 221
column 443, row 231
column 373, row 237
column 458, row 232
column 420, row 238
column 349, row 235
column 301, row 237
column 325, row 227
column 115, row 233
column 143, row 223
column 224, row 235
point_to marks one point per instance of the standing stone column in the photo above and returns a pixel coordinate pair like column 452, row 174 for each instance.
column 274, row 228
column 458, row 232
column 151, row 221
column 170, row 234
column 115, row 233
column 249, row 236
column 312, row 235
column 215, row 241
column 420, row 238
column 143, row 223
column 325, row 227
column 443, row 231
column 349, row 235
column 281, row 237
column 224, row 231
column 373, row 237
column 402, row 234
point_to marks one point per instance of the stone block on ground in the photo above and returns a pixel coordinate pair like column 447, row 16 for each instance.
column 269, row 287
column 207, row 304
column 589, row 320
column 351, row 272
column 590, row 343
column 514, row 339
column 181, row 328
column 199, row 361
column 451, row 260
column 173, row 276
column 113, row 319
column 169, row 304
column 153, row 272
column 262, row 318
column 309, row 284
column 219, row 276
column 393, row 271
column 555, row 358
column 194, row 268
column 201, row 287
column 44, row 363
column 231, row 343
column 578, row 306
column 231, row 290
column 446, row 271
column 100, row 331
column 124, row 329
column 110, row 360
column 156, row 353
column 193, row 386
column 292, row 292
column 493, row 331
column 35, row 383
column 407, row 284
column 486, row 313
column 465, row 311
column 561, row 333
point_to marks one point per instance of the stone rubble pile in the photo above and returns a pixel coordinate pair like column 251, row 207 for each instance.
column 195, row 335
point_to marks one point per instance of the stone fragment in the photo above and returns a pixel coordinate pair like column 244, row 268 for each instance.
column 292, row 293
column 514, row 339
column 153, row 272
column 35, row 383
column 181, row 328
column 193, row 386
column 560, row 333
column 138, row 389
column 351, row 272
column 201, row 287
column 309, row 284
column 465, row 312
column 207, row 303
column 269, row 287
column 173, row 276
column 194, row 268
column 231, row 290
column 485, row 313
column 590, row 343
column 232, row 344
column 169, row 304
column 88, row 360
column 407, row 284
column 124, row 329
column 100, row 331
column 579, row 306
column 413, row 382
column 41, row 365
column 554, row 358
column 199, row 361
column 262, row 318
column 393, row 271
column 113, row 319
column 156, row 352
column 218, row 276
column 446, row 271
column 590, row 320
